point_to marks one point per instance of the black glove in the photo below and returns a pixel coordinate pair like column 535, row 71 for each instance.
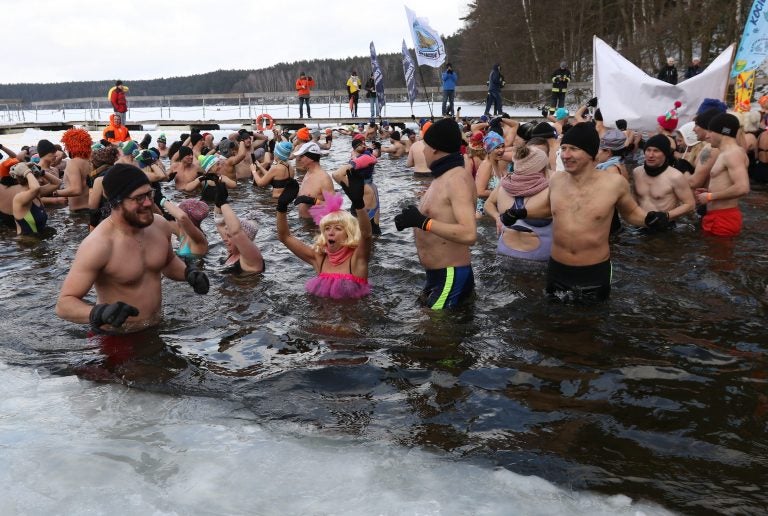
column 657, row 219
column 195, row 130
column 221, row 195
column 110, row 134
column 113, row 314
column 411, row 217
column 158, row 197
column 197, row 279
column 592, row 102
column 512, row 215
column 305, row 199
column 544, row 111
column 145, row 141
column 209, row 177
column 287, row 196
column 354, row 189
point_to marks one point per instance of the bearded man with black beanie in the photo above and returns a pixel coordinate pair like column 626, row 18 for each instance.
column 444, row 223
column 123, row 258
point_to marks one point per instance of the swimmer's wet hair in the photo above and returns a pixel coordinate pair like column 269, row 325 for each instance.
column 347, row 221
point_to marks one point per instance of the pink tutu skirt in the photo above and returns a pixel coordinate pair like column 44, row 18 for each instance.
column 338, row 286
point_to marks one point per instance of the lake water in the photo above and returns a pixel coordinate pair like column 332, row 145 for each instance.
column 258, row 398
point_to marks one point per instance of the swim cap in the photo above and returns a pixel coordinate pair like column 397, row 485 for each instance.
column 492, row 141
column 161, row 138
column 613, row 140
column 312, row 150
column 195, row 209
column 283, row 150
column 543, row 130
column 476, row 140
column 249, row 227
column 561, row 113
column 121, row 180
column 303, row 134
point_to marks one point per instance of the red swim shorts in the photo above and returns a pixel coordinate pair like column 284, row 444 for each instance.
column 724, row 223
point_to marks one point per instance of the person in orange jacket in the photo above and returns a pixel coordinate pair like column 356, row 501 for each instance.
column 303, row 85
column 116, row 132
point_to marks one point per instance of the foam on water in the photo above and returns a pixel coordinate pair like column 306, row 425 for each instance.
column 70, row 446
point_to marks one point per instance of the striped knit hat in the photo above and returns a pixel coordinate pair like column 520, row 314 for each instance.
column 207, row 162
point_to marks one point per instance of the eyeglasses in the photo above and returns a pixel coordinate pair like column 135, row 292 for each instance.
column 140, row 198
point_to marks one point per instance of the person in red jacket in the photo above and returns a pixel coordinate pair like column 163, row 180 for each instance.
column 303, row 85
column 117, row 98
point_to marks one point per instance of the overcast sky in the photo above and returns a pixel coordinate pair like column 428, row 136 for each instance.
column 76, row 40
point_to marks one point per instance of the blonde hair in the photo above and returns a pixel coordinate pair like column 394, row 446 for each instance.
column 347, row 221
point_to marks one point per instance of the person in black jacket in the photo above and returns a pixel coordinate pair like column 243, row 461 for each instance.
column 695, row 68
column 669, row 72
column 495, row 83
column 370, row 94
column 560, row 79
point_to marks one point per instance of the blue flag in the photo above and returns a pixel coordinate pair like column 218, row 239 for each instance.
column 378, row 79
column 753, row 48
column 409, row 71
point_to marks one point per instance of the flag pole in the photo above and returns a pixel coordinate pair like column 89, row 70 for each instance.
column 426, row 93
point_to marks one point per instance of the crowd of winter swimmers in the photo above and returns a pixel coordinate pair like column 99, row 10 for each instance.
column 557, row 189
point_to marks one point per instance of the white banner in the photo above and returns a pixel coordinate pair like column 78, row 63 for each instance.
column 625, row 91
column 429, row 46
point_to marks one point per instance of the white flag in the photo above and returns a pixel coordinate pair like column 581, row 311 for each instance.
column 625, row 91
column 429, row 46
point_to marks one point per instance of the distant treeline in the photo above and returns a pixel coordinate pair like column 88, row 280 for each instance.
column 529, row 39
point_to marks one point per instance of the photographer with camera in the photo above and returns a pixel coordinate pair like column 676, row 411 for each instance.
column 303, row 85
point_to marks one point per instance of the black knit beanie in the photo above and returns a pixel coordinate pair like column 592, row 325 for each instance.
column 703, row 119
column 122, row 179
column 724, row 123
column 662, row 143
column 444, row 135
column 584, row 136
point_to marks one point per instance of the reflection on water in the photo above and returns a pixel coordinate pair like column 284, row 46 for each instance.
column 658, row 394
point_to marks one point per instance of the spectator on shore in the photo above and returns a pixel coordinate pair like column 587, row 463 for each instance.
column 117, row 99
column 303, row 85
column 495, row 83
column 669, row 72
column 695, row 68
column 353, row 90
column 449, row 79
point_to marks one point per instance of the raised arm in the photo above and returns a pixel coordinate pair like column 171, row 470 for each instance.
column 293, row 244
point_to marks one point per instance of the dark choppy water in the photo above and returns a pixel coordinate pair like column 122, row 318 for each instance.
column 660, row 394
